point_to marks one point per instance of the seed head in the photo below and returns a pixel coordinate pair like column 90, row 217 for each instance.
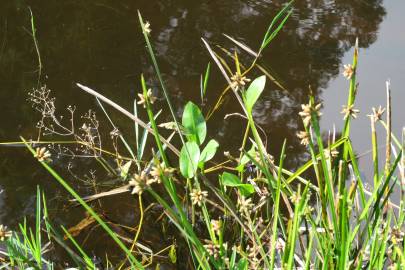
column 216, row 225
column 397, row 235
column 307, row 111
column 308, row 210
column 252, row 252
column 42, row 154
column 331, row 153
column 212, row 249
column 295, row 198
column 197, row 196
column 4, row 233
column 168, row 125
column 147, row 28
column 140, row 182
column 238, row 81
column 149, row 97
column 245, row 205
column 304, row 137
column 161, row 170
column 349, row 111
column 348, row 71
column 377, row 113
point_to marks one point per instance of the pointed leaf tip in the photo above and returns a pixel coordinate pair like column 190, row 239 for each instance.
column 254, row 91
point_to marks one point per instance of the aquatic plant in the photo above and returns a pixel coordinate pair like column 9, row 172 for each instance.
column 247, row 212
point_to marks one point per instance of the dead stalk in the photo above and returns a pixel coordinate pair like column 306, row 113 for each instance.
column 128, row 114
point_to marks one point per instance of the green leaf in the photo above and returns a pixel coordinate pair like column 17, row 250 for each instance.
column 242, row 264
column 231, row 180
column 209, row 151
column 194, row 123
column 254, row 91
column 189, row 156
column 125, row 169
column 245, row 159
column 205, row 83
column 172, row 254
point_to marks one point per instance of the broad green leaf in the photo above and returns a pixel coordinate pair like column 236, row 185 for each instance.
column 194, row 123
column 254, row 91
column 231, row 180
column 189, row 156
column 209, row 151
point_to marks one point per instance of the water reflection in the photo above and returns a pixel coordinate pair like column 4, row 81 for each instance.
column 99, row 44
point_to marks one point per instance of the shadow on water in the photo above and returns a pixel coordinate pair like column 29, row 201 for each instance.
column 100, row 45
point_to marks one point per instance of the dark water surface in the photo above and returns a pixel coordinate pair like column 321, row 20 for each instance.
column 99, row 44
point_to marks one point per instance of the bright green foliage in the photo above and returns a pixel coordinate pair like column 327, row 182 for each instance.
column 263, row 219
column 209, row 151
column 172, row 254
column 231, row 180
column 194, row 123
column 189, row 157
column 254, row 91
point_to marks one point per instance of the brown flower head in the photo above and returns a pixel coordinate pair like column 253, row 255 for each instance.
column 238, row 81
column 42, row 154
column 4, row 233
column 348, row 71
column 245, row 205
column 161, row 170
column 197, row 196
column 212, row 249
column 377, row 113
column 304, row 137
column 349, row 111
column 140, row 182
column 149, row 97
column 307, row 111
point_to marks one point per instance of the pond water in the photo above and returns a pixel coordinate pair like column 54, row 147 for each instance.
column 99, row 44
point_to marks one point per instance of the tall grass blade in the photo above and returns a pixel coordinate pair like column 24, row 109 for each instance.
column 133, row 260
column 159, row 75
column 242, row 46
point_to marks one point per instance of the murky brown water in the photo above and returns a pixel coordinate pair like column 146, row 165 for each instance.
column 99, row 44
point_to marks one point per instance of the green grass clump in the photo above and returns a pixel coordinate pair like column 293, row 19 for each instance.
column 255, row 214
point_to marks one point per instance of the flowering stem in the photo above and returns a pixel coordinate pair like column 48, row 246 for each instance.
column 352, row 93
column 329, row 185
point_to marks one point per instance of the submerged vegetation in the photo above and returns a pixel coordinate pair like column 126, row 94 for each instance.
column 245, row 212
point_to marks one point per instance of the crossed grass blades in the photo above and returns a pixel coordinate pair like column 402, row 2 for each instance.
column 332, row 221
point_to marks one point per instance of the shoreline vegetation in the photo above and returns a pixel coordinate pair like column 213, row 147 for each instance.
column 247, row 212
